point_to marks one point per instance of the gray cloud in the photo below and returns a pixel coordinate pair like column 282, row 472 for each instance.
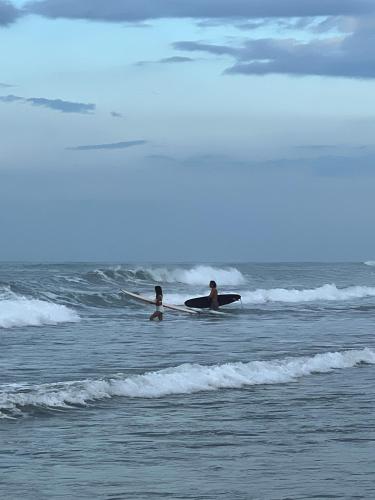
column 140, row 10
column 8, row 13
column 175, row 59
column 5, row 85
column 252, row 25
column 115, row 114
column 166, row 60
column 115, row 145
column 218, row 50
column 314, row 24
column 11, row 98
column 348, row 55
column 55, row 104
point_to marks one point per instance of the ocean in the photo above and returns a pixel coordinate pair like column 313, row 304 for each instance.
column 272, row 399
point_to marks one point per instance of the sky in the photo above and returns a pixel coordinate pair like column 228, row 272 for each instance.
column 197, row 130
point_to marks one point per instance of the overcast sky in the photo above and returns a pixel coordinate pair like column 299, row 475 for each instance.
column 197, row 130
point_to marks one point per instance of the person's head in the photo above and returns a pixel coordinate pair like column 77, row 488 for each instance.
column 158, row 290
column 212, row 284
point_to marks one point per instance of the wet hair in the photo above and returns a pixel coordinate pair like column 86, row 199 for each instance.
column 158, row 290
column 212, row 284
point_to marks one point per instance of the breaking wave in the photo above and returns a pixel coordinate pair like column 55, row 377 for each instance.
column 183, row 379
column 263, row 296
column 19, row 311
column 370, row 263
column 325, row 292
column 197, row 275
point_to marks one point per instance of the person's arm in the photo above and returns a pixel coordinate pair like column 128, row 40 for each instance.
column 159, row 300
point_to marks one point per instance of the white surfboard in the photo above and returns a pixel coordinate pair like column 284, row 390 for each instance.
column 146, row 300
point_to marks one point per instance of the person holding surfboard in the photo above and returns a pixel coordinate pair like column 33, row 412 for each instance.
column 159, row 304
column 213, row 298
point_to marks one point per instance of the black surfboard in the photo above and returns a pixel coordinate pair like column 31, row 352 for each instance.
column 205, row 303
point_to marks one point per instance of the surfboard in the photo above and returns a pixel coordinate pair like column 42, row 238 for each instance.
column 146, row 300
column 205, row 303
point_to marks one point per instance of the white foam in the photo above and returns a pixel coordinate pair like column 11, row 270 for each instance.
column 370, row 263
column 73, row 279
column 183, row 379
column 6, row 293
column 31, row 312
column 292, row 295
column 325, row 292
column 103, row 276
column 198, row 275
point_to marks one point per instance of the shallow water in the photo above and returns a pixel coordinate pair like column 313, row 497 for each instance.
column 273, row 399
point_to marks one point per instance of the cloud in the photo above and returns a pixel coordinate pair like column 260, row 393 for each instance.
column 115, row 145
column 317, row 24
column 242, row 23
column 217, row 50
column 115, row 114
column 141, row 10
column 55, row 104
column 5, row 85
column 8, row 13
column 347, row 55
column 11, row 98
column 166, row 60
column 175, row 59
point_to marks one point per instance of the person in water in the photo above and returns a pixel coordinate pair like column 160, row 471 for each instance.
column 214, row 301
column 159, row 304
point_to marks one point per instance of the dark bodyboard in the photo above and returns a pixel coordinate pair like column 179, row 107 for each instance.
column 205, row 303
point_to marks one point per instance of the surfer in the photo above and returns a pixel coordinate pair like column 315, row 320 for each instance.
column 159, row 304
column 214, row 301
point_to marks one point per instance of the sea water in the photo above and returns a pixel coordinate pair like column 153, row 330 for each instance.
column 273, row 399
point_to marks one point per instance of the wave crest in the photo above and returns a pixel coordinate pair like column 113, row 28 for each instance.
column 197, row 275
column 32, row 312
column 291, row 295
column 183, row 379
